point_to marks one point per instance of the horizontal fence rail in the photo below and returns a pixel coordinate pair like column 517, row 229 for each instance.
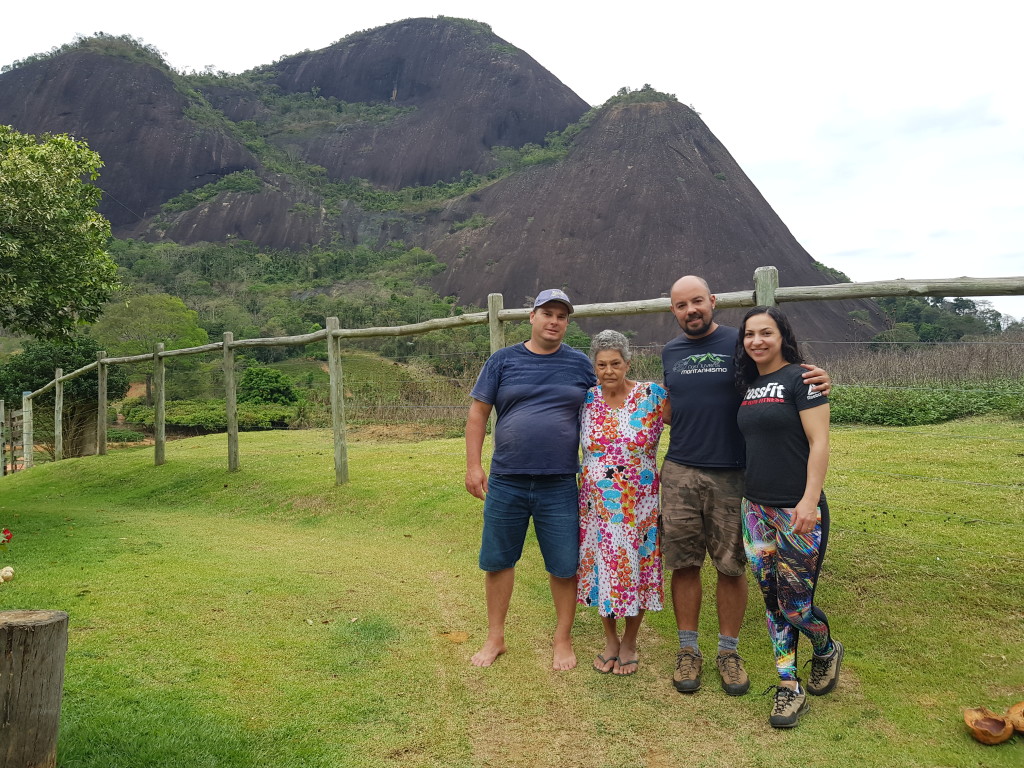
column 766, row 292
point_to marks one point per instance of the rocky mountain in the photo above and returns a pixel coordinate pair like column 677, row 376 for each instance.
column 470, row 91
column 637, row 193
column 131, row 111
column 645, row 194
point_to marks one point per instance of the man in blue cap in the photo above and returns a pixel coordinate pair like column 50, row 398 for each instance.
column 536, row 389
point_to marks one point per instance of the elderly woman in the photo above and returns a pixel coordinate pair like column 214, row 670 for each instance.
column 620, row 559
column 785, row 516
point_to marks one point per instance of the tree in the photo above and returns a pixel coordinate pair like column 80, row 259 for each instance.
column 34, row 367
column 901, row 335
column 54, row 269
column 133, row 326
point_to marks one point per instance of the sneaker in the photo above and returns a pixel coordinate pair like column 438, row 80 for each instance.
column 790, row 705
column 734, row 677
column 689, row 662
column 825, row 671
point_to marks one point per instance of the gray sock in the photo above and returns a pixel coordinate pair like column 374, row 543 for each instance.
column 688, row 637
column 726, row 643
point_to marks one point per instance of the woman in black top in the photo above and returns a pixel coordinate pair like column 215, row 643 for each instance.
column 785, row 515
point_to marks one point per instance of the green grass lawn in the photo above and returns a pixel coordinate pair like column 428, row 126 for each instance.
column 269, row 618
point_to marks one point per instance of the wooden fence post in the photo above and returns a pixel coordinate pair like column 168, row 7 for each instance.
column 101, row 404
column 495, row 303
column 159, row 407
column 31, row 683
column 13, row 441
column 496, row 330
column 58, row 415
column 766, row 282
column 28, row 439
column 337, row 402
column 230, row 401
column 3, row 440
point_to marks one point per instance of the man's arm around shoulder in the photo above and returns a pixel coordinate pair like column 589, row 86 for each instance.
column 816, row 376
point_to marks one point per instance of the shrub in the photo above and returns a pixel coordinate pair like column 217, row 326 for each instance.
column 914, row 406
column 201, row 416
column 124, row 436
column 265, row 386
column 476, row 221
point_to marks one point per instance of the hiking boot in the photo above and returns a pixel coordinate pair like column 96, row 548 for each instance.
column 825, row 671
column 734, row 677
column 689, row 662
column 790, row 705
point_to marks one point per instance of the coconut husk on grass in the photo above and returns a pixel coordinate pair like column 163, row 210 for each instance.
column 986, row 726
column 1015, row 715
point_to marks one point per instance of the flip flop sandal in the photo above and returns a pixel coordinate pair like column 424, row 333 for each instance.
column 604, row 661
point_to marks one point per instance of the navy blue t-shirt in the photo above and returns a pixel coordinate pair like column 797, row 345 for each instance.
column 537, row 400
column 700, row 377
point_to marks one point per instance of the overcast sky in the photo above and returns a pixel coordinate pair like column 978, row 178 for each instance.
column 888, row 136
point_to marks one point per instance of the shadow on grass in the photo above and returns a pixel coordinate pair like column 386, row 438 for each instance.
column 138, row 728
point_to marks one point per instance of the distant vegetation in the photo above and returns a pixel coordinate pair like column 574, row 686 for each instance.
column 917, row 319
column 297, row 114
column 120, row 46
column 644, row 95
column 240, row 181
column 836, row 274
column 257, row 292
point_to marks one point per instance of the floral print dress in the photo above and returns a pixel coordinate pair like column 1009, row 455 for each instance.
column 620, row 556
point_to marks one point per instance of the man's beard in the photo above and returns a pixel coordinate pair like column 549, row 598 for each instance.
column 703, row 329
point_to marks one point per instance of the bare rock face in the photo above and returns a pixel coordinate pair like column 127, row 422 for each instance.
column 647, row 194
column 471, row 91
column 131, row 113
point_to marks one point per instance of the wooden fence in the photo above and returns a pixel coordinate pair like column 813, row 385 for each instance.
column 766, row 292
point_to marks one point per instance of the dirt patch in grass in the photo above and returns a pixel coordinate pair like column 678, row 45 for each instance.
column 397, row 433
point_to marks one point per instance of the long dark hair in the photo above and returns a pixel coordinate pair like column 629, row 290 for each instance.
column 746, row 368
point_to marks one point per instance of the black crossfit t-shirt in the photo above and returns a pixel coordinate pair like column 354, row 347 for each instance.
column 777, row 447
column 700, row 378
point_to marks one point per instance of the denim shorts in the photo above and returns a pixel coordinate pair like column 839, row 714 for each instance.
column 552, row 501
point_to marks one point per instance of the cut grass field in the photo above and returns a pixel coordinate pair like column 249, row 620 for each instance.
column 269, row 618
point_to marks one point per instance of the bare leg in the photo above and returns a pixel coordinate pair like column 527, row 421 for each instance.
column 731, row 594
column 686, row 597
column 563, row 592
column 611, row 645
column 628, row 650
column 498, row 590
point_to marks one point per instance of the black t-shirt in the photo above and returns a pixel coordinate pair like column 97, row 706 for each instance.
column 700, row 379
column 777, row 447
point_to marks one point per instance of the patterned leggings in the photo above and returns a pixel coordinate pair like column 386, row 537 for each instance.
column 786, row 566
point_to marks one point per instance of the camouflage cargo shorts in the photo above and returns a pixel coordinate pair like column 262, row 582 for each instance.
column 700, row 513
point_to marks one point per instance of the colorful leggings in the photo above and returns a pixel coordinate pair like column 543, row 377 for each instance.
column 786, row 566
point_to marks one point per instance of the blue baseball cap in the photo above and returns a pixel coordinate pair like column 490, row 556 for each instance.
column 552, row 294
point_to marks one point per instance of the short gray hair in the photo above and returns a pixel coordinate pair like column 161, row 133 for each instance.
column 610, row 341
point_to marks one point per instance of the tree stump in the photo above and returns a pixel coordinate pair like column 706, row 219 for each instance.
column 32, row 649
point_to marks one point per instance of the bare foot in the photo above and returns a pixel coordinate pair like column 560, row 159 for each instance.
column 485, row 656
column 564, row 657
column 629, row 660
